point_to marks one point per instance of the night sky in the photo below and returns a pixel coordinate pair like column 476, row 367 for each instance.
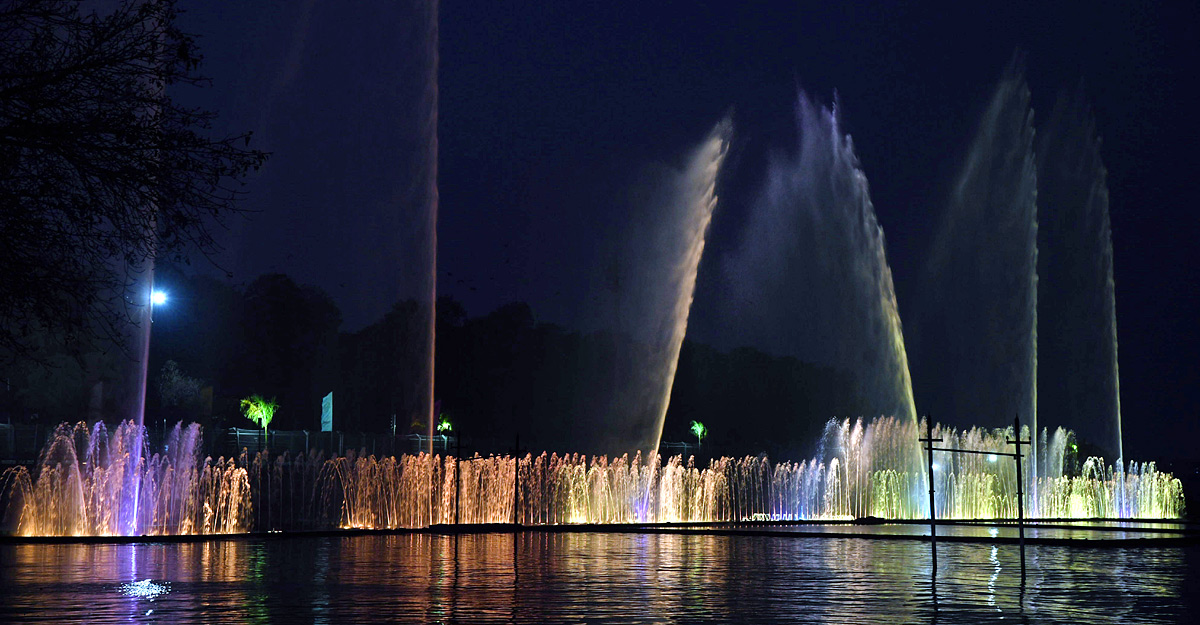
column 551, row 112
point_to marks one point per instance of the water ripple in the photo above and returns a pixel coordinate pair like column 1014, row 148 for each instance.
column 540, row 577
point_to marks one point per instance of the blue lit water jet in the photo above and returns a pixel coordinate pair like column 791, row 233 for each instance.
column 811, row 278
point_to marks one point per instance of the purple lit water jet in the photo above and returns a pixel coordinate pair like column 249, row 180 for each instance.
column 93, row 482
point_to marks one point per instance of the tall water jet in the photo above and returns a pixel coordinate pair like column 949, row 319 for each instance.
column 429, row 132
column 696, row 199
column 812, row 279
column 432, row 130
column 979, row 306
column 658, row 263
column 1079, row 385
column 138, row 296
column 144, row 297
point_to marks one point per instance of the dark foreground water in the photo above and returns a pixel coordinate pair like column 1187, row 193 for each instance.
column 541, row 577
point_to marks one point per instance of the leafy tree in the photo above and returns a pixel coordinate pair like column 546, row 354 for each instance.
column 289, row 346
column 175, row 389
column 259, row 410
column 58, row 382
column 101, row 169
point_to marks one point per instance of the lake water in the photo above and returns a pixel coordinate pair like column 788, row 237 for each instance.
column 546, row 577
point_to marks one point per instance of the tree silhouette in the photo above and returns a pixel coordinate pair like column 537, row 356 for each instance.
column 101, row 169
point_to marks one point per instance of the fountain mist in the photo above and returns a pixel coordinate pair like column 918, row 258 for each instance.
column 1077, row 321
column 980, row 299
column 812, row 279
column 684, row 243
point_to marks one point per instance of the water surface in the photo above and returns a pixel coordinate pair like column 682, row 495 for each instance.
column 542, row 577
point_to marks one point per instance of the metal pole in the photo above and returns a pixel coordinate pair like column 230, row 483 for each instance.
column 929, row 440
column 1020, row 494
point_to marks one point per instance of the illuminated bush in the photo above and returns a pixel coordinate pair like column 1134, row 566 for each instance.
column 259, row 410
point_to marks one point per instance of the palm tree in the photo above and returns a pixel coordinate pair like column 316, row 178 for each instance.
column 700, row 431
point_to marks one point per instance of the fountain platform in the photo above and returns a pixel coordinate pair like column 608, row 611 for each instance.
column 1097, row 533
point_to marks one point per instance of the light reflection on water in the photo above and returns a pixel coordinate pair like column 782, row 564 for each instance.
column 539, row 577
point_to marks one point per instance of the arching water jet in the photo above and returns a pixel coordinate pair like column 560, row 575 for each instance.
column 1079, row 382
column 980, row 300
column 698, row 198
column 811, row 279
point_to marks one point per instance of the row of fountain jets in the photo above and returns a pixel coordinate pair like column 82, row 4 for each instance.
column 94, row 482
column 90, row 485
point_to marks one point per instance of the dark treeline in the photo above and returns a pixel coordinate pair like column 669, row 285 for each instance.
column 499, row 375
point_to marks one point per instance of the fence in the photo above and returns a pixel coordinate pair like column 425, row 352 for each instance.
column 332, row 443
column 22, row 443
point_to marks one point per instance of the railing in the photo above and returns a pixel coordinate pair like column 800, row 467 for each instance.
column 334, row 443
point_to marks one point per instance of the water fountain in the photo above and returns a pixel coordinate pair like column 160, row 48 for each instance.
column 816, row 220
column 862, row 469
column 429, row 132
column 979, row 303
column 1078, row 378
column 660, row 262
column 93, row 482
column 812, row 279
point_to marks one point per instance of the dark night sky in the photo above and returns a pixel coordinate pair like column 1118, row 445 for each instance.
column 551, row 110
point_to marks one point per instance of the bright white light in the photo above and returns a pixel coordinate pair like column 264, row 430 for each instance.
column 158, row 298
column 991, row 457
column 145, row 589
column 937, row 467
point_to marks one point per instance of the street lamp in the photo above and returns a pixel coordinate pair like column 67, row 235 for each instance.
column 158, row 298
